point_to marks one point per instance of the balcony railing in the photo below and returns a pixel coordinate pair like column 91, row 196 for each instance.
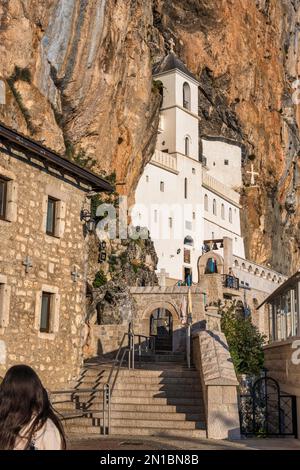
column 231, row 282
column 211, row 183
column 164, row 160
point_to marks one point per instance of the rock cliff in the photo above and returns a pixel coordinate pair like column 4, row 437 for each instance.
column 78, row 77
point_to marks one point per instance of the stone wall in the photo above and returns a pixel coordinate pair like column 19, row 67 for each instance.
column 282, row 361
column 212, row 286
column 107, row 338
column 219, row 384
column 56, row 356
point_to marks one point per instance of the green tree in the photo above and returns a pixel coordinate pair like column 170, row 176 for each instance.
column 244, row 341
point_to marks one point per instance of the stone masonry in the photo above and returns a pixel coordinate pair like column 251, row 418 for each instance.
column 55, row 355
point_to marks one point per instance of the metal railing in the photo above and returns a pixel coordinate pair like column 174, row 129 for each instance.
column 231, row 282
column 136, row 343
column 74, row 396
column 109, row 386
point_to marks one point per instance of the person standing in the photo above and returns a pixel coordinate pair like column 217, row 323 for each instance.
column 27, row 419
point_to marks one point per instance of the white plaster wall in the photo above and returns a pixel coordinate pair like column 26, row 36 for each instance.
column 220, row 228
column 172, row 203
column 216, row 152
column 180, row 79
column 169, row 85
column 187, row 126
column 167, row 139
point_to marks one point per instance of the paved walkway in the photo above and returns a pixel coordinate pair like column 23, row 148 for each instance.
column 172, row 443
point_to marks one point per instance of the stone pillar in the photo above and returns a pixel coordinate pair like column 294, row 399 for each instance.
column 219, row 383
column 213, row 318
column 228, row 254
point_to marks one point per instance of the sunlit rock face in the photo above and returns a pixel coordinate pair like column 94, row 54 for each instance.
column 90, row 89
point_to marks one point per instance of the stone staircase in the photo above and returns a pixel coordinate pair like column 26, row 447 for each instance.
column 156, row 398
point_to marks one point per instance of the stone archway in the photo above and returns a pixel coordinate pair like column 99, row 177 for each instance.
column 144, row 324
column 204, row 259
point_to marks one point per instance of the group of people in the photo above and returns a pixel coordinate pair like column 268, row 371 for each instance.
column 27, row 418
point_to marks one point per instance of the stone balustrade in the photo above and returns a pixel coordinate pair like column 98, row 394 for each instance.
column 219, row 188
column 165, row 160
column 257, row 270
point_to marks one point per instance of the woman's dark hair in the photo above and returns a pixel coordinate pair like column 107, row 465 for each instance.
column 23, row 400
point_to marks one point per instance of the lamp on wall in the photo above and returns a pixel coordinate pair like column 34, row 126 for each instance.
column 86, row 216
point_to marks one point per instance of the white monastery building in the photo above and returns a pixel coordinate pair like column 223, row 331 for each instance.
column 189, row 193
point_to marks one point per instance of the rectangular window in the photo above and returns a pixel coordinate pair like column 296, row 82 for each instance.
column 187, row 256
column 51, row 214
column 3, row 197
column 162, row 186
column 170, row 222
column 226, row 162
column 45, row 312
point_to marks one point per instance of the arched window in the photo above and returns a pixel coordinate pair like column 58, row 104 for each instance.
column 214, row 207
column 187, row 146
column 211, row 266
column 206, row 202
column 223, row 211
column 230, row 215
column 186, row 96
column 188, row 241
column 185, row 188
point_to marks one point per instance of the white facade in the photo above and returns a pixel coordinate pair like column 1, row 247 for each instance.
column 224, row 161
column 172, row 192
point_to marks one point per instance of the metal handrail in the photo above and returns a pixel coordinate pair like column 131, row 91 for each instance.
column 108, row 388
column 74, row 392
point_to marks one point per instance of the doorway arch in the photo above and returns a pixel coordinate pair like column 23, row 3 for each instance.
column 161, row 328
column 209, row 259
column 149, row 313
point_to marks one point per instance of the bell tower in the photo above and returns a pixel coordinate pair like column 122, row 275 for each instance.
column 179, row 113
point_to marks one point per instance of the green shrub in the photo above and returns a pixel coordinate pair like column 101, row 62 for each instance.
column 244, row 341
column 100, row 279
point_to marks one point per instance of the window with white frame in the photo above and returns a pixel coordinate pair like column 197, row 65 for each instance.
column 206, row 202
column 187, row 146
column 214, row 207
column 47, row 311
column 186, row 89
column 223, row 211
column 8, row 199
column 54, row 216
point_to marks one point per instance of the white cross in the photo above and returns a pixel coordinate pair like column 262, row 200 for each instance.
column 162, row 275
column 172, row 44
column 252, row 173
column 27, row 263
column 75, row 275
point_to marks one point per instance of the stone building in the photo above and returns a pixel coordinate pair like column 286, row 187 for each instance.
column 281, row 311
column 43, row 254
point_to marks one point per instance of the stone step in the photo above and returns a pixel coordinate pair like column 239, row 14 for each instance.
column 180, row 387
column 127, row 431
column 139, row 415
column 133, row 407
column 135, row 423
column 169, row 394
column 141, row 373
column 150, row 400
column 89, row 382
